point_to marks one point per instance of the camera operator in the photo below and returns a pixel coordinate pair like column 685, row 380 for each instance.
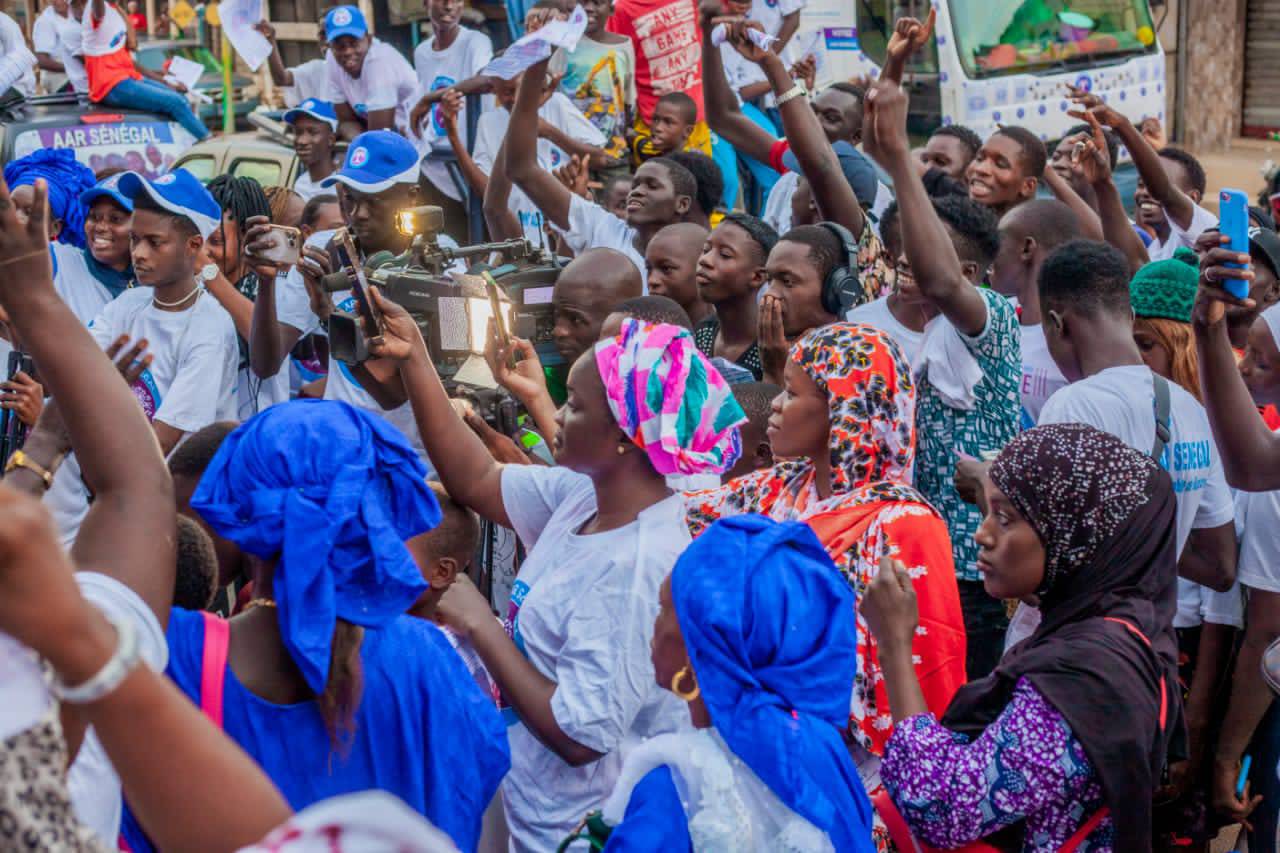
column 378, row 178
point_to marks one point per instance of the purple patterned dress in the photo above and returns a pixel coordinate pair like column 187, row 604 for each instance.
column 1027, row 765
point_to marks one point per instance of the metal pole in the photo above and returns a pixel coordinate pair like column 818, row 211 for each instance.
column 228, row 108
column 1180, row 66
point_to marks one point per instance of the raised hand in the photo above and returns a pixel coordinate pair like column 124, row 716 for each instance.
column 450, row 106
column 1089, row 151
column 400, row 337
column 1212, row 298
column 502, row 448
column 909, row 35
column 24, row 243
column 314, row 264
column 884, row 123
column 268, row 31
column 806, row 71
column 257, row 228
column 1153, row 132
column 772, row 340
column 515, row 367
column 24, row 396
column 739, row 37
column 1091, row 103
column 133, row 362
column 889, row 606
column 575, row 174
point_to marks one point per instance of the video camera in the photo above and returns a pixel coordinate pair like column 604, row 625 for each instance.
column 453, row 310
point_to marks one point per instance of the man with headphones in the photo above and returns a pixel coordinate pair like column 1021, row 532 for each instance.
column 969, row 366
column 811, row 283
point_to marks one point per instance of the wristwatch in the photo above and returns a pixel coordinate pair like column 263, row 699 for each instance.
column 20, row 459
column 796, row 91
column 208, row 273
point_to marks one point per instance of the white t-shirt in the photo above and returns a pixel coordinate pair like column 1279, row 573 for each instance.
column 560, row 113
column 878, row 315
column 17, row 64
column 593, row 227
column 583, row 609
column 1201, row 221
column 92, row 781
column 108, row 36
column 308, row 189
column 742, row 73
column 24, row 700
column 1258, row 516
column 386, row 81
column 777, row 207
column 62, row 37
column 310, row 80
column 293, row 308
column 771, row 12
column 440, row 69
column 191, row 382
column 1040, row 374
column 1121, row 401
column 79, row 289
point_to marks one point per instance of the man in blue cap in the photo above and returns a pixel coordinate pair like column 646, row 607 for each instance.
column 189, row 366
column 315, row 127
column 378, row 178
column 373, row 86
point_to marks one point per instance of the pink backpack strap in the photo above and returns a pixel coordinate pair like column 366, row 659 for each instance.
column 213, row 668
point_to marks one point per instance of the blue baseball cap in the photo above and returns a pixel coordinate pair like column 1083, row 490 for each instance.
column 344, row 21
column 857, row 169
column 316, row 109
column 107, row 188
column 376, row 161
column 178, row 192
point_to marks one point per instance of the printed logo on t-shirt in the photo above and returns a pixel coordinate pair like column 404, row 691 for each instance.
column 442, row 81
column 1188, row 462
column 519, row 591
column 148, row 394
column 117, row 39
column 359, row 156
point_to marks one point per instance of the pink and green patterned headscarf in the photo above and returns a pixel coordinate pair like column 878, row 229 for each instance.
column 669, row 399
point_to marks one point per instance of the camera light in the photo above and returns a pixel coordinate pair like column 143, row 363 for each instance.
column 420, row 220
column 404, row 222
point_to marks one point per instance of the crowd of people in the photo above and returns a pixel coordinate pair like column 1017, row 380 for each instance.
column 897, row 497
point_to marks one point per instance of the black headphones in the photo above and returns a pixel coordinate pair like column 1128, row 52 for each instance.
column 841, row 289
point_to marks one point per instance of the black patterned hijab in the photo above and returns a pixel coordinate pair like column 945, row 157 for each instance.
column 1104, row 655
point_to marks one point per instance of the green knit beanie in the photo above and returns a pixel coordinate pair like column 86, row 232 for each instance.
column 1167, row 288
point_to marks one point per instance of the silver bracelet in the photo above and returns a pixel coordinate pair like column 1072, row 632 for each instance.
column 113, row 673
column 796, row 91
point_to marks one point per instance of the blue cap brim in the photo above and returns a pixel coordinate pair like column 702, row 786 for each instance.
column 348, row 30
column 292, row 115
column 89, row 196
column 362, row 180
column 132, row 185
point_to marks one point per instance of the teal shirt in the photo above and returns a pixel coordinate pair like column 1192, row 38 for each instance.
column 943, row 433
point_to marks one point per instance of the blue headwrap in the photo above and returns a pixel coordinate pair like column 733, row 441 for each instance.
column 66, row 176
column 769, row 625
column 333, row 492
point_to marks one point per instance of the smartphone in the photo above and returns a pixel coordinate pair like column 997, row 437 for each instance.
column 495, row 305
column 1243, row 778
column 1233, row 221
column 285, row 245
column 352, row 260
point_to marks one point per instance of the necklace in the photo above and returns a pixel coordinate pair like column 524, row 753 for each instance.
column 259, row 602
column 195, row 292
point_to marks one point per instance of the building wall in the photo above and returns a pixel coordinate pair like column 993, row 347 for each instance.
column 1215, row 72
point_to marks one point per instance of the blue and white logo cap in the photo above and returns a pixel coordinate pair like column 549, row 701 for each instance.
column 344, row 21
column 178, row 192
column 107, row 188
column 377, row 161
column 316, row 109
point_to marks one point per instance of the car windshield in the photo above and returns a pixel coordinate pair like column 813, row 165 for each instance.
column 997, row 37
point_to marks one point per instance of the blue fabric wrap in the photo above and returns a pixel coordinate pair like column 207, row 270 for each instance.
column 333, row 492
column 66, row 177
column 770, row 629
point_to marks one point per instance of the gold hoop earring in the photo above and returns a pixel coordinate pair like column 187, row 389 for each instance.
column 687, row 696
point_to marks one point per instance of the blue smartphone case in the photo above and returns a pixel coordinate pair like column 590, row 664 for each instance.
column 1233, row 221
